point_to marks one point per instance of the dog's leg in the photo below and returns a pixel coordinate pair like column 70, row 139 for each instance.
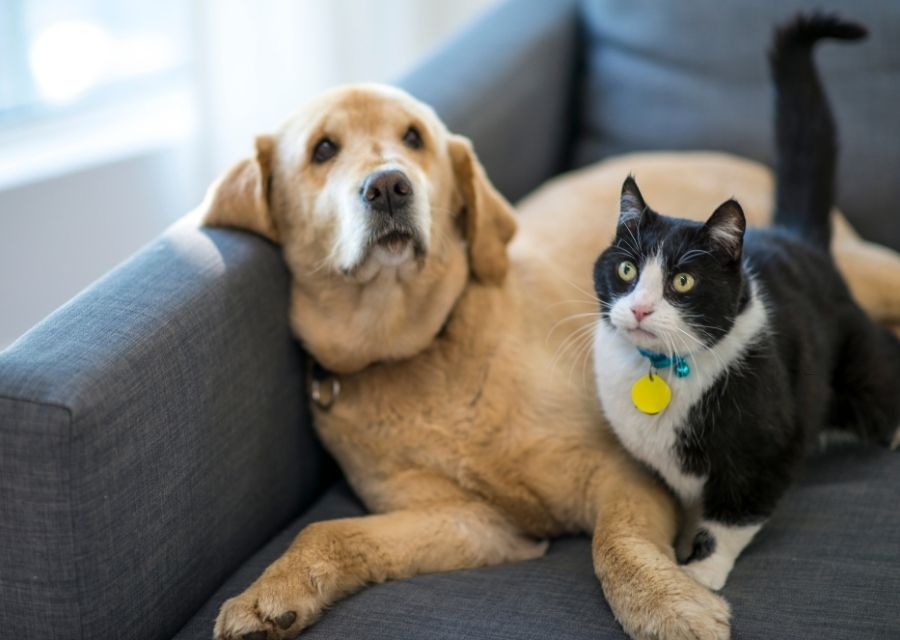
column 872, row 272
column 650, row 595
column 332, row 558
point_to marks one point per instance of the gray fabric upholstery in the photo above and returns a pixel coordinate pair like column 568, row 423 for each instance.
column 507, row 82
column 693, row 75
column 553, row 597
column 827, row 567
column 152, row 435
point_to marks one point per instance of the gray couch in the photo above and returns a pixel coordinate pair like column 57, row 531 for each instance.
column 155, row 448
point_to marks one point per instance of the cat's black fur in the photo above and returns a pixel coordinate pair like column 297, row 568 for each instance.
column 805, row 136
column 822, row 363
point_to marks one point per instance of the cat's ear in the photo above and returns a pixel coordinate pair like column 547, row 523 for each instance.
column 631, row 203
column 726, row 228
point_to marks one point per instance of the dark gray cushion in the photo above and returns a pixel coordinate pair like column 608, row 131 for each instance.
column 555, row 596
column 693, row 75
column 827, row 567
column 152, row 435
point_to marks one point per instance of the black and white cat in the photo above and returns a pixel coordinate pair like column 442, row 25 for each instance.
column 720, row 355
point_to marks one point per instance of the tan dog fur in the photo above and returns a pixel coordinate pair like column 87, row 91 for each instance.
column 474, row 444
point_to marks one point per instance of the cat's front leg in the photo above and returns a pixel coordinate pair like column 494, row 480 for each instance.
column 686, row 542
column 716, row 546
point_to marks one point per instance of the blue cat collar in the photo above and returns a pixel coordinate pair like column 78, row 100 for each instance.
column 660, row 361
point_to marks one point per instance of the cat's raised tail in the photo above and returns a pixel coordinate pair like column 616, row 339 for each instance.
column 805, row 137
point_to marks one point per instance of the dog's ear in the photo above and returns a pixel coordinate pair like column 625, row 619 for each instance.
column 240, row 198
column 489, row 223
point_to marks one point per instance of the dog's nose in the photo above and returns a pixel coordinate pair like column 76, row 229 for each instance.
column 387, row 190
column 640, row 312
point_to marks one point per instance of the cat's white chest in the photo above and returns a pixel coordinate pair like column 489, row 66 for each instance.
column 649, row 438
column 653, row 438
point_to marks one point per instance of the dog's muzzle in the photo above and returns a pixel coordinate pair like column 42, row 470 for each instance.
column 389, row 198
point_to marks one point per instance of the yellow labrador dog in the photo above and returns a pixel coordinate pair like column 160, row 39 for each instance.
column 456, row 400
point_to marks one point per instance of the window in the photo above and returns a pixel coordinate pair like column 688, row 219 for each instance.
column 63, row 57
column 85, row 82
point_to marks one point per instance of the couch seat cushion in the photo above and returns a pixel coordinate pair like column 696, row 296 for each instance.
column 827, row 567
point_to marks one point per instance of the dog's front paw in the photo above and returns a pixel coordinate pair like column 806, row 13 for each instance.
column 654, row 599
column 271, row 609
column 692, row 613
column 698, row 615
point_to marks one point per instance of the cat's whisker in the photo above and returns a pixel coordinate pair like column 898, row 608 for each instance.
column 700, row 343
column 568, row 342
column 590, row 295
column 626, row 252
column 580, row 349
column 588, row 357
column 574, row 301
column 587, row 360
column 693, row 253
column 577, row 349
column 713, row 352
column 576, row 316
column 636, row 247
column 690, row 317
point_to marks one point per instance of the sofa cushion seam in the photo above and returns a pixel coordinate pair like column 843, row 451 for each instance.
column 43, row 403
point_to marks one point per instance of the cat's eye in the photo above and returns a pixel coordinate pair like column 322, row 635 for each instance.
column 412, row 138
column 683, row 282
column 627, row 271
column 324, row 151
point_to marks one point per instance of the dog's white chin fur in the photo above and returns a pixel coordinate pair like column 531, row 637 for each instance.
column 400, row 259
column 392, row 256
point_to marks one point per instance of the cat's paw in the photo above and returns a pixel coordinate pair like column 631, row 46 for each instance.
column 895, row 442
column 712, row 572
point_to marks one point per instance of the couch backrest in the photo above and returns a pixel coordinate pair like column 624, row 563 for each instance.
column 693, row 74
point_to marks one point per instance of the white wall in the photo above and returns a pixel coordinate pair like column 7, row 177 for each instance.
column 264, row 59
column 60, row 234
column 256, row 62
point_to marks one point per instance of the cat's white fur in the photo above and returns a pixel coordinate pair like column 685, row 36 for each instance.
column 713, row 570
column 652, row 438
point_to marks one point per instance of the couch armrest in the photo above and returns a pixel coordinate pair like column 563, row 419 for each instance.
column 509, row 83
column 153, row 433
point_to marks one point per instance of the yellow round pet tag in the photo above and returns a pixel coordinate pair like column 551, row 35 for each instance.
column 650, row 394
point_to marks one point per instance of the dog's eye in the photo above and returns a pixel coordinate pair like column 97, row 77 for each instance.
column 324, row 151
column 412, row 138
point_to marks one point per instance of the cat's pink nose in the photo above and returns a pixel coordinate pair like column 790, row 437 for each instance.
column 641, row 312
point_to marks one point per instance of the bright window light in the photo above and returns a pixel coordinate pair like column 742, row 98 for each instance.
column 59, row 57
column 68, row 58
